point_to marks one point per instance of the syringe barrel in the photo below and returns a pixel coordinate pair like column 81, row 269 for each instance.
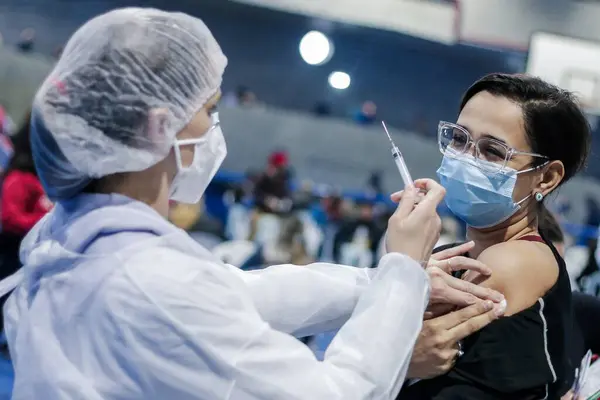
column 402, row 168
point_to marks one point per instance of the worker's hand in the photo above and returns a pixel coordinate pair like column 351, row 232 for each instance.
column 397, row 196
column 447, row 292
column 414, row 229
column 437, row 347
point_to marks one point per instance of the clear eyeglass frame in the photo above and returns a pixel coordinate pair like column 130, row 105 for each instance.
column 216, row 122
column 492, row 166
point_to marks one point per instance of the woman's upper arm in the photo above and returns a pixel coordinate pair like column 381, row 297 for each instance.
column 522, row 271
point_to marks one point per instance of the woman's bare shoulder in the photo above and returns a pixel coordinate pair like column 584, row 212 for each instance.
column 523, row 271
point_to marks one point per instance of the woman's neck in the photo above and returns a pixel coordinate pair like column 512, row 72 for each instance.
column 485, row 238
column 141, row 186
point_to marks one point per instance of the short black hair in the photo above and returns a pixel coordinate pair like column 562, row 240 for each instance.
column 555, row 125
column 549, row 227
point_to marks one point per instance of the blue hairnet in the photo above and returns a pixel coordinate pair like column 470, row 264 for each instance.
column 58, row 176
column 91, row 116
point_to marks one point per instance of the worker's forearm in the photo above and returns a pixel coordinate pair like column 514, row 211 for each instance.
column 377, row 341
column 304, row 300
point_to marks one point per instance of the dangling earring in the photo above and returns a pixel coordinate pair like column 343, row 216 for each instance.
column 539, row 197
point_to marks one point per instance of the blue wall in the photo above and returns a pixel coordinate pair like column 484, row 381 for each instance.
column 410, row 79
column 414, row 82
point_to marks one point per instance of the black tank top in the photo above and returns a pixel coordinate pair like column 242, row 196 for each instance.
column 528, row 355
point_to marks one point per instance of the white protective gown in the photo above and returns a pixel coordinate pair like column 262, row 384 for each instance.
column 116, row 303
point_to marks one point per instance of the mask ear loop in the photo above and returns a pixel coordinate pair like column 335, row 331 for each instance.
column 524, row 199
column 189, row 142
column 538, row 196
column 185, row 142
column 177, row 151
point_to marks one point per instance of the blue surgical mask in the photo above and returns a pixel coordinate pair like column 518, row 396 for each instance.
column 480, row 198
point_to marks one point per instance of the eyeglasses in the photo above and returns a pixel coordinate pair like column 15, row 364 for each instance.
column 490, row 154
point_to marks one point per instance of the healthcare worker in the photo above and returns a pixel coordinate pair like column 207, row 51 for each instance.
column 114, row 302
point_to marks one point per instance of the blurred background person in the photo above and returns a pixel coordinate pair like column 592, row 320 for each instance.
column 272, row 191
column 23, row 202
column 367, row 114
column 358, row 237
column 375, row 184
column 329, row 215
column 200, row 225
column 272, row 198
column 290, row 246
column 588, row 280
column 26, row 40
column 305, row 210
column 238, row 215
column 241, row 97
column 184, row 216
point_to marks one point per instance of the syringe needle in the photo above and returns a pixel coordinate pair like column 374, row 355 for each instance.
column 399, row 160
column 387, row 132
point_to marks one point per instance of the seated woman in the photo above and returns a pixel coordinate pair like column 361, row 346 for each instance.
column 516, row 140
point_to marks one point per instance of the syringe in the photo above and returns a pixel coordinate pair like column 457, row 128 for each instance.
column 399, row 161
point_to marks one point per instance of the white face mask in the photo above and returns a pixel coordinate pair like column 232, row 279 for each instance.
column 209, row 152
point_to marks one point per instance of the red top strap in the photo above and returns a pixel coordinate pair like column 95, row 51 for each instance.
column 532, row 238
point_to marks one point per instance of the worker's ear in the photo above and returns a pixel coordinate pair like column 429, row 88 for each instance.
column 158, row 125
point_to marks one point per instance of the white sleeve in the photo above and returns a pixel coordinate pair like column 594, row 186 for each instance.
column 200, row 336
column 306, row 300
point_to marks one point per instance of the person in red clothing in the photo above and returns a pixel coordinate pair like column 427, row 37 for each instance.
column 272, row 190
column 23, row 203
